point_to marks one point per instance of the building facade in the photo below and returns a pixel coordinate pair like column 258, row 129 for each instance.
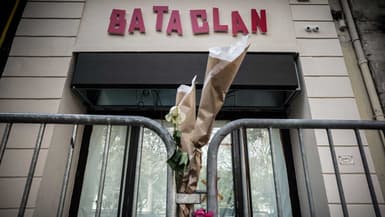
column 128, row 58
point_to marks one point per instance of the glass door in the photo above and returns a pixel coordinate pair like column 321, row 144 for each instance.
column 246, row 176
column 136, row 174
column 113, row 180
column 269, row 189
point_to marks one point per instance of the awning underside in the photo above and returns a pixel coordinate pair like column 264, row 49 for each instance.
column 125, row 81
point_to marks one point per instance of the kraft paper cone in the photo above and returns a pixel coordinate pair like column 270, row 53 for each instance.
column 185, row 100
column 222, row 67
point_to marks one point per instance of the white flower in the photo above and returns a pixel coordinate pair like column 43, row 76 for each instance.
column 175, row 116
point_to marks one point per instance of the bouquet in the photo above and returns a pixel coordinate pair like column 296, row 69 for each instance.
column 191, row 133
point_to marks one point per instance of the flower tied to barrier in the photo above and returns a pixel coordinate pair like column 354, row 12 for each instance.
column 222, row 66
column 202, row 213
column 179, row 160
column 175, row 117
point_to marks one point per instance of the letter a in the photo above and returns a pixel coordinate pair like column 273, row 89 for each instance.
column 237, row 24
column 174, row 24
column 136, row 21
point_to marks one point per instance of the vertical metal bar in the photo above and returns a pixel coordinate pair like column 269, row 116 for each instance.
column 124, row 171
column 4, row 140
column 275, row 174
column 67, row 172
column 306, row 172
column 248, row 197
column 137, row 173
column 238, row 175
column 243, row 189
column 338, row 174
column 131, row 173
column 31, row 171
column 245, row 173
column 171, row 193
column 212, row 173
column 367, row 173
column 103, row 172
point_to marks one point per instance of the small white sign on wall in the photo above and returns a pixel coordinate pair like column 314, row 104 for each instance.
column 346, row 159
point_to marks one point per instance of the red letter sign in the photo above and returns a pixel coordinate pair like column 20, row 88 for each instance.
column 117, row 22
column 174, row 24
column 194, row 15
column 159, row 10
column 238, row 24
column 258, row 21
column 136, row 21
column 217, row 26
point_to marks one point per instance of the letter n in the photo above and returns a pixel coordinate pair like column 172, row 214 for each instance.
column 258, row 21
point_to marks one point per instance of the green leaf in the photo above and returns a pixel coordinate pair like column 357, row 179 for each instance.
column 177, row 135
column 178, row 161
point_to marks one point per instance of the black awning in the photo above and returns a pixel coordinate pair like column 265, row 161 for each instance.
column 148, row 79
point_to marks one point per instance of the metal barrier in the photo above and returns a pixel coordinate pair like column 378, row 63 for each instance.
column 212, row 204
column 76, row 120
column 298, row 125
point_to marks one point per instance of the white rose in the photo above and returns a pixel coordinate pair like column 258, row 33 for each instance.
column 175, row 116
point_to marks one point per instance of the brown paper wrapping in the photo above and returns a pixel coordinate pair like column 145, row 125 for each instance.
column 219, row 76
column 185, row 100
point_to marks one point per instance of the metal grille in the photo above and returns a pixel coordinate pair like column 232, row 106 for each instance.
column 75, row 120
column 297, row 127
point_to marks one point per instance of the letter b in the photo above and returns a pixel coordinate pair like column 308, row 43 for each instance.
column 117, row 22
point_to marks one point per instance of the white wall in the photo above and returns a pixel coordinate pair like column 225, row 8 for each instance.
column 34, row 80
column 330, row 96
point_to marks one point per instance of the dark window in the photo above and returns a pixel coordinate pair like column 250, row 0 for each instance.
column 10, row 15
